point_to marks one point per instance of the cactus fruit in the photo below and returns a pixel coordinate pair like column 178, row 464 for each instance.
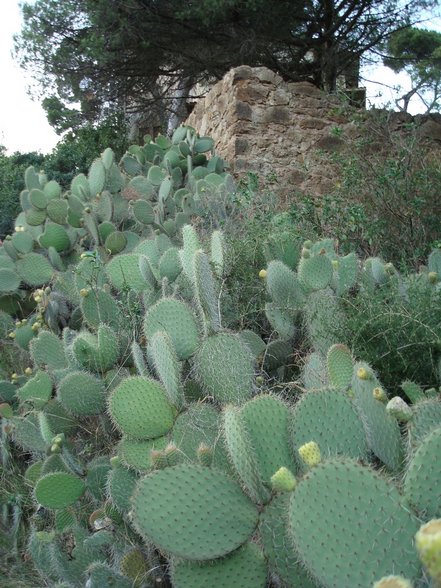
column 140, row 409
column 428, row 545
column 174, row 508
column 393, row 582
column 397, row 408
column 283, row 480
column 310, row 454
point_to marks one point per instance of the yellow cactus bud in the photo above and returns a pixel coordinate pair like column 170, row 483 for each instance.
column 28, row 371
column 283, row 480
column 84, row 292
column 393, row 582
column 335, row 263
column 379, row 394
column 428, row 545
column 260, row 380
column 87, row 209
column 14, row 376
column 362, row 373
column 36, row 326
column 37, row 298
column 262, row 274
column 433, row 277
column 11, row 335
column 310, row 454
column 18, row 324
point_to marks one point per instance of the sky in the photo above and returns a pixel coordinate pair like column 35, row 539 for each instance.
column 23, row 124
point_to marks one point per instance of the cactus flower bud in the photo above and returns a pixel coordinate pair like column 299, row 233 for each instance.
column 310, row 454
column 393, row 582
column 428, row 545
column 433, row 277
column 28, row 371
column 84, row 292
column 335, row 263
column 283, row 480
column 262, row 274
column 11, row 335
column 397, row 408
column 362, row 373
column 379, row 394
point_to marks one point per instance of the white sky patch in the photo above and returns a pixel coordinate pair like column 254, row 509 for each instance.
column 23, row 123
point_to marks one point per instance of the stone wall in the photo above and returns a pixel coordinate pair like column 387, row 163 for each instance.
column 286, row 130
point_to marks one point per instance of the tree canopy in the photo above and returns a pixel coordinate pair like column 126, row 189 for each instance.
column 418, row 53
column 128, row 55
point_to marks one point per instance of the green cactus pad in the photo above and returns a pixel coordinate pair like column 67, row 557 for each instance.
column 242, row 455
column 38, row 199
column 9, row 281
column 34, row 269
column 266, row 420
column 170, row 264
column 120, row 487
column 382, row 431
column 58, row 490
column 315, row 273
column 349, row 526
column 37, row 390
column 33, row 473
column 115, row 242
column 136, row 454
column 71, row 556
column 96, row 177
column 23, row 243
column 245, row 567
column 325, row 321
column 426, row 417
column 52, row 190
column 54, row 463
column 422, row 483
column 97, row 472
column 54, row 236
column 277, row 545
column 81, row 394
column 177, row 320
column 281, row 321
column 35, row 217
column 191, row 245
column 100, row 307
column 26, row 433
column 100, row 575
column 64, row 520
column 7, row 391
column 284, row 286
column 254, row 343
column 123, row 271
column 175, row 509
column 314, row 418
column 47, row 350
column 225, row 368
column 57, row 211
column 140, row 409
column 413, row 391
column 200, row 424
column 167, row 367
column 340, row 366
column 345, row 275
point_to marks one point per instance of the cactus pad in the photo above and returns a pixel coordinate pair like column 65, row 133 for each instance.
column 58, row 490
column 176, row 509
column 245, row 567
column 422, row 483
column 336, row 505
column 177, row 320
column 225, row 368
column 140, row 409
column 81, row 394
column 34, row 269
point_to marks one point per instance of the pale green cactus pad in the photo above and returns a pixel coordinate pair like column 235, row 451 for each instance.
column 58, row 490
column 193, row 512
column 140, row 409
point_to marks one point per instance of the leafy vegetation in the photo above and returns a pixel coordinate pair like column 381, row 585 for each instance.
column 178, row 411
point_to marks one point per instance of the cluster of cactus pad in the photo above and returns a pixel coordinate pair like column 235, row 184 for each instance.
column 162, row 447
